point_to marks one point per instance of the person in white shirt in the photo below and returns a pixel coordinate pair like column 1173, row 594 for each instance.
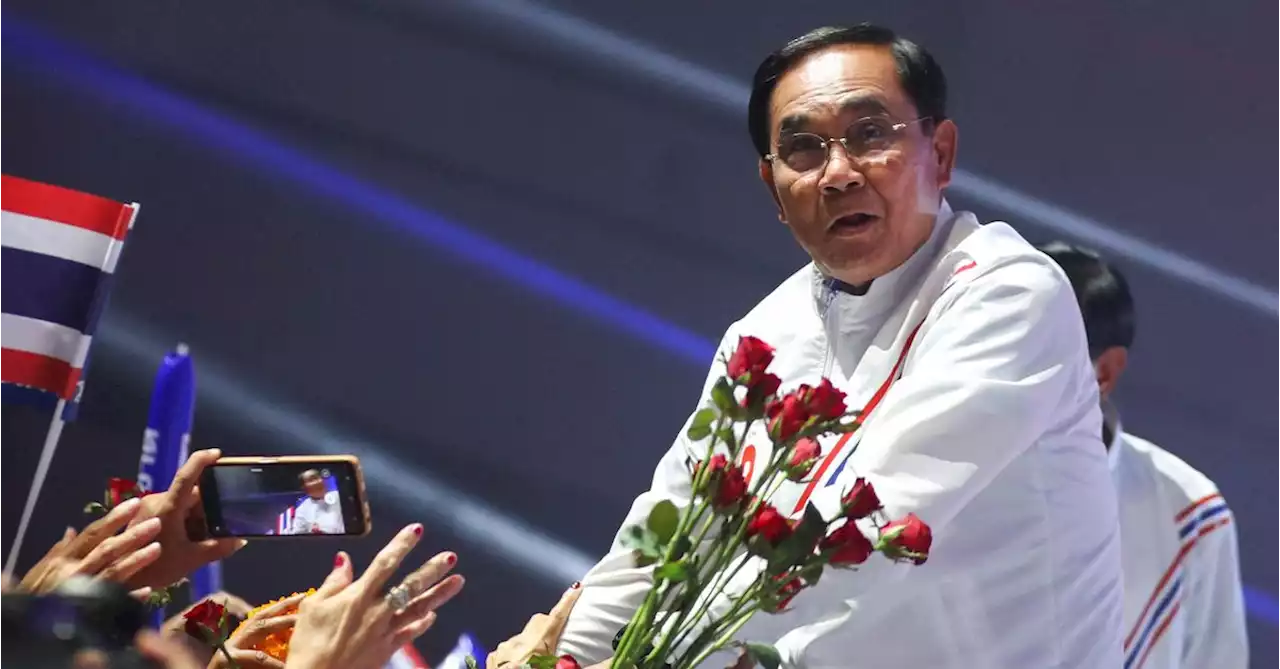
column 1184, row 604
column 318, row 513
column 964, row 347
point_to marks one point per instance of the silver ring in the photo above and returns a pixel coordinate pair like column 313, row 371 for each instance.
column 398, row 598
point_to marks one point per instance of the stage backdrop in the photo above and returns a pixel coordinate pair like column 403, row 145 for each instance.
column 489, row 245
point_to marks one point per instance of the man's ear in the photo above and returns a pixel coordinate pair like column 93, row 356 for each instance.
column 1109, row 367
column 766, row 175
column 946, row 138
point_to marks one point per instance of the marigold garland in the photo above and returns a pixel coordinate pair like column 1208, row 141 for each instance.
column 275, row 644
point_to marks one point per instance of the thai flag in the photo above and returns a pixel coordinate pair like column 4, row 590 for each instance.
column 406, row 658
column 284, row 521
column 60, row 248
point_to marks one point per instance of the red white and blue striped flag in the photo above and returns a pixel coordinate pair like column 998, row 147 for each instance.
column 60, row 249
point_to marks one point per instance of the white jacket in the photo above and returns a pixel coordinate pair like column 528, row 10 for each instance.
column 984, row 421
column 1183, row 605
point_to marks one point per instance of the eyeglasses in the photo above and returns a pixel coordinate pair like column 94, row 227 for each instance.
column 865, row 138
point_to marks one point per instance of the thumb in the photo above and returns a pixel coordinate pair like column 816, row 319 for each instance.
column 339, row 578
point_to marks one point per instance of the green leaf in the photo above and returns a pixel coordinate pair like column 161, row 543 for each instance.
column 542, row 661
column 726, row 435
column 644, row 543
column 663, row 520
column 698, row 432
column 722, row 395
column 94, row 507
column 682, row 547
column 672, row 571
column 471, row 661
column 763, row 654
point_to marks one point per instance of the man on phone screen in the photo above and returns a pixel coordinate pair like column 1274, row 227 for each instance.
column 318, row 513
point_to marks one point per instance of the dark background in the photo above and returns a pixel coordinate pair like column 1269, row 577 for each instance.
column 488, row 245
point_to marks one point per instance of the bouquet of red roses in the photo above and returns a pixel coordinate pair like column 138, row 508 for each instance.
column 730, row 524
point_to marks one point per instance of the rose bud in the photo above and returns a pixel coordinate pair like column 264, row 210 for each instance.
column 803, row 457
column 119, row 490
column 861, row 500
column 788, row 415
column 205, row 621
column 826, row 402
column 731, row 489
column 567, row 662
column 751, row 357
column 912, row 540
column 769, row 525
column 848, row 545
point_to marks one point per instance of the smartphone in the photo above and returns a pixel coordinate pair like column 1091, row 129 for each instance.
column 285, row 496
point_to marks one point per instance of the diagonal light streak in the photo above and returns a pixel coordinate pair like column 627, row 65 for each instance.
column 729, row 95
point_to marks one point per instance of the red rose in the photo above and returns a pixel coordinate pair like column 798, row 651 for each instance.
column 567, row 662
column 205, row 621
column 119, row 490
column 769, row 524
column 787, row 590
column 762, row 387
column 848, row 544
column 826, row 402
column 860, row 500
column 727, row 485
column 732, row 489
column 752, row 357
column 803, row 457
column 915, row 539
column 788, row 415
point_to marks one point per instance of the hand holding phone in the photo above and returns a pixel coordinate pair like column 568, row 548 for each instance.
column 286, row 496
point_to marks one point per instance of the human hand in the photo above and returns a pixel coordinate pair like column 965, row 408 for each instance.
column 175, row 508
column 354, row 625
column 540, row 635
column 175, row 627
column 98, row 551
column 243, row 644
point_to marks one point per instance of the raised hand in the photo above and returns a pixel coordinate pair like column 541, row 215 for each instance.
column 540, row 634
column 241, row 644
column 361, row 624
column 175, row 508
column 98, row 551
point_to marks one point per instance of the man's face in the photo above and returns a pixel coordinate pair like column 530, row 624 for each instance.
column 858, row 216
column 313, row 484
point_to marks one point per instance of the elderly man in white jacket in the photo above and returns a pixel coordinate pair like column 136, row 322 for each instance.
column 966, row 350
column 1184, row 604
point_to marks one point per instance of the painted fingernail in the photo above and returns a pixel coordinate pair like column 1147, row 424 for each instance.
column 338, row 561
column 417, row 530
column 576, row 585
column 450, row 558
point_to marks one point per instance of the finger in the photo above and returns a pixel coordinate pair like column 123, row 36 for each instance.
column 560, row 612
column 141, row 594
column 234, row 605
column 123, row 569
column 184, row 482
column 116, row 547
column 434, row 598
column 258, row 628
column 339, row 578
column 280, row 607
column 388, row 560
column 102, row 528
column 414, row 629
column 212, row 550
column 166, row 652
column 254, row 659
column 430, row 572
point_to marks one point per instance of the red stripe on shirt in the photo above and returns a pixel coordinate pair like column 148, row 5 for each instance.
column 1168, row 574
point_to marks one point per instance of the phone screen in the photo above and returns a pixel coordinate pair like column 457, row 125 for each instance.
column 290, row 498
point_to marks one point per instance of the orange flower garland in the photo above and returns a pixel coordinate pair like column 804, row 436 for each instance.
column 275, row 644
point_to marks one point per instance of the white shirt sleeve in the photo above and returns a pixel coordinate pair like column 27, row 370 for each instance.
column 988, row 377
column 1214, row 606
column 614, row 588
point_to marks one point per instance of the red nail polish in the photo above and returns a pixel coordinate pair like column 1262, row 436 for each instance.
column 451, row 558
column 417, row 530
column 337, row 560
column 576, row 585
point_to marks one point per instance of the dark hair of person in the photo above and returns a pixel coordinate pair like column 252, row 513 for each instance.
column 302, row 478
column 920, row 75
column 1103, row 294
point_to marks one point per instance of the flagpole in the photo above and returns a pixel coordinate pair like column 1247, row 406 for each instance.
column 42, row 471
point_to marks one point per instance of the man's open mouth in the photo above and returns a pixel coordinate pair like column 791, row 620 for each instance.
column 853, row 222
